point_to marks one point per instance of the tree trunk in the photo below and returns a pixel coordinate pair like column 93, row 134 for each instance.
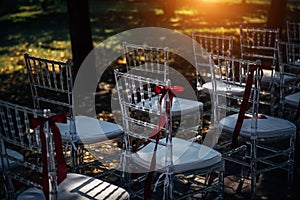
column 277, row 14
column 80, row 31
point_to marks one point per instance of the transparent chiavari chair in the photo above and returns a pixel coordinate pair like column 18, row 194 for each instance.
column 262, row 44
column 51, row 87
column 293, row 31
column 43, row 170
column 257, row 142
column 289, row 63
column 210, row 44
column 154, row 62
column 174, row 162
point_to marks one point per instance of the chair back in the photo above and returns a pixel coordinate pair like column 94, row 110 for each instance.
column 51, row 83
column 16, row 132
column 259, row 43
column 229, row 81
column 262, row 44
column 293, row 31
column 209, row 44
column 289, row 63
column 152, row 60
column 143, row 110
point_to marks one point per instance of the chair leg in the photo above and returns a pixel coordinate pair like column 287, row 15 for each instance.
column 221, row 181
column 291, row 167
column 253, row 172
column 168, row 186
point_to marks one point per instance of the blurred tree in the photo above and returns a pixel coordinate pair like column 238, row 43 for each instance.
column 277, row 14
column 80, row 31
column 169, row 8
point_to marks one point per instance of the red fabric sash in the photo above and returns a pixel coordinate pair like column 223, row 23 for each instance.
column 163, row 90
column 246, row 96
column 243, row 109
column 61, row 165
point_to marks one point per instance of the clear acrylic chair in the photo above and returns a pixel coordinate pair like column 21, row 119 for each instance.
column 209, row 44
column 173, row 161
column 293, row 31
column 51, row 87
column 257, row 142
column 262, row 44
column 43, row 171
column 289, row 63
column 153, row 62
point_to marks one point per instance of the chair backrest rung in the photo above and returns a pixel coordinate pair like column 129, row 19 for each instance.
column 51, row 83
column 293, row 31
column 148, row 59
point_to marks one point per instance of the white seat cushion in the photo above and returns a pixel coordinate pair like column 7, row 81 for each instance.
column 271, row 127
column 90, row 130
column 226, row 88
column 180, row 106
column 293, row 99
column 14, row 154
column 32, row 194
column 286, row 78
column 78, row 186
column 186, row 156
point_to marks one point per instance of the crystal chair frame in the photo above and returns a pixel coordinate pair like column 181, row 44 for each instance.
column 153, row 61
column 144, row 122
column 262, row 44
column 210, row 44
column 51, row 87
column 289, row 63
column 293, row 31
column 252, row 134
column 16, row 131
column 228, row 81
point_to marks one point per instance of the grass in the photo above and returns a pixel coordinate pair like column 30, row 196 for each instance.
column 45, row 33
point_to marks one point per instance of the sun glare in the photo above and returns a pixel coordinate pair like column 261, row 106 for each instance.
column 235, row 1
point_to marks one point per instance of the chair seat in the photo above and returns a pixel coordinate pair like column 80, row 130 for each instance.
column 286, row 78
column 78, row 186
column 14, row 154
column 223, row 87
column 180, row 106
column 32, row 194
column 268, row 127
column 293, row 99
column 90, row 130
column 184, row 156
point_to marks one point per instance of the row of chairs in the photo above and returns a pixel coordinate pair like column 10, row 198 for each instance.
column 51, row 87
column 255, row 44
column 152, row 111
column 252, row 135
column 32, row 160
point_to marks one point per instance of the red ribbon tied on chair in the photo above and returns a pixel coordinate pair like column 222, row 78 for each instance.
column 61, row 164
column 243, row 109
column 163, row 90
column 171, row 90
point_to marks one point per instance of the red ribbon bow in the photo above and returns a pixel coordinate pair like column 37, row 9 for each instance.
column 171, row 90
column 61, row 165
